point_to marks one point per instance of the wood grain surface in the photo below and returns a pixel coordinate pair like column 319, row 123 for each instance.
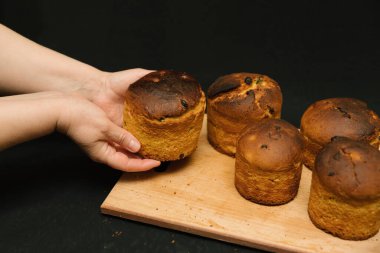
column 197, row 195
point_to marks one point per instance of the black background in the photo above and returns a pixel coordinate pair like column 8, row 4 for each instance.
column 50, row 192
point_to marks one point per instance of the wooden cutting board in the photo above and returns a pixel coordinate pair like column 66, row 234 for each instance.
column 197, row 195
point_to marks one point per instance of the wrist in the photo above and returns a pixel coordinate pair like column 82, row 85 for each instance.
column 93, row 85
column 28, row 116
column 63, row 107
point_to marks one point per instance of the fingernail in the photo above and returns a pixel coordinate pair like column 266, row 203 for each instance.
column 134, row 145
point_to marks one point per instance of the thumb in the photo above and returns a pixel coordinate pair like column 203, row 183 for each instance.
column 124, row 138
column 122, row 79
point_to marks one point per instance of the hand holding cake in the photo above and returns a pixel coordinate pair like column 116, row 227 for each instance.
column 69, row 96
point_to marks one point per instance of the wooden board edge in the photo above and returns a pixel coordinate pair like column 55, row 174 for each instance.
column 204, row 231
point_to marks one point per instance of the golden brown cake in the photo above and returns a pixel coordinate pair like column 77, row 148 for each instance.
column 164, row 110
column 345, row 190
column 268, row 162
column 346, row 117
column 236, row 100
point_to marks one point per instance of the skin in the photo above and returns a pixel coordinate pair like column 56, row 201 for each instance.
column 66, row 96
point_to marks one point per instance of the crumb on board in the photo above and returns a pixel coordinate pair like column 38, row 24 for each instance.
column 173, row 241
column 117, row 233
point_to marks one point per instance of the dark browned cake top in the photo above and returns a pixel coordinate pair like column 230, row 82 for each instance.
column 164, row 93
column 226, row 83
column 245, row 97
column 271, row 144
column 347, row 117
column 350, row 169
column 232, row 81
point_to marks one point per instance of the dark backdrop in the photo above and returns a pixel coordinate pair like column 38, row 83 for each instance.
column 51, row 192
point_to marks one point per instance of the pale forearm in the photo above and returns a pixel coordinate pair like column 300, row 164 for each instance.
column 28, row 67
column 25, row 117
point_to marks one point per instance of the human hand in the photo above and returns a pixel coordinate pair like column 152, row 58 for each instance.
column 98, row 136
column 109, row 93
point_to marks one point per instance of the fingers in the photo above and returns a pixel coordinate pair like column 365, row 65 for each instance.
column 121, row 80
column 130, row 75
column 121, row 161
column 123, row 138
column 117, row 156
column 135, row 74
